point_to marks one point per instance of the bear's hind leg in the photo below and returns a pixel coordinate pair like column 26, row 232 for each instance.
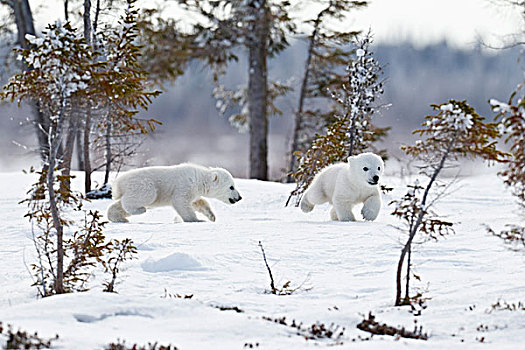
column 333, row 215
column 313, row 196
column 202, row 206
column 132, row 207
column 135, row 202
column 116, row 213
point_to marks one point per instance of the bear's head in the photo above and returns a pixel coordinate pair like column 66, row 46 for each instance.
column 222, row 186
column 367, row 168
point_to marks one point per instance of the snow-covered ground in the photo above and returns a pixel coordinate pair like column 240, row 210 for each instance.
column 347, row 270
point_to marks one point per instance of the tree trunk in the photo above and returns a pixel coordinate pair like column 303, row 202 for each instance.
column 407, row 288
column 352, row 136
column 24, row 25
column 67, row 155
column 95, row 23
column 55, row 135
column 87, row 122
column 80, row 148
column 24, row 21
column 302, row 95
column 413, row 230
column 87, row 21
column 59, row 282
column 66, row 10
column 108, row 148
column 87, row 161
column 258, row 95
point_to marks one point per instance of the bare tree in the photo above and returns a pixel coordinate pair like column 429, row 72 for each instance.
column 258, row 89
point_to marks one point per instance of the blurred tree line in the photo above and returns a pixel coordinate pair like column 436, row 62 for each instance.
column 309, row 50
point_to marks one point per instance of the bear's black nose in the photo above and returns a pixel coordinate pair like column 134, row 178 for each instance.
column 239, row 198
column 376, row 178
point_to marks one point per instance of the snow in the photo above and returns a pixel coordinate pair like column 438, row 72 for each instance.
column 454, row 116
column 347, row 269
column 447, row 107
column 175, row 261
column 499, row 106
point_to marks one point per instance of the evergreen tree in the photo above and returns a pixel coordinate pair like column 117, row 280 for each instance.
column 327, row 55
column 259, row 26
column 65, row 74
column 351, row 132
column 126, row 87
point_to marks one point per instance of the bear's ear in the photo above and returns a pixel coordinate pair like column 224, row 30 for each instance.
column 214, row 176
column 350, row 158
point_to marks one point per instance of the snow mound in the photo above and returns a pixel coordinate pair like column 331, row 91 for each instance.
column 173, row 262
column 85, row 318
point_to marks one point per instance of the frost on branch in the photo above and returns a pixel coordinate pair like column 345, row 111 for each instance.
column 512, row 125
column 358, row 99
column 55, row 54
column 457, row 131
column 61, row 68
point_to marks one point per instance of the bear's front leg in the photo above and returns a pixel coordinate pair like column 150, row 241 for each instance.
column 371, row 208
column 202, row 206
column 185, row 210
column 343, row 209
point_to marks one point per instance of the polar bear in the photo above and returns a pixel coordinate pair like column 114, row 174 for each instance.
column 180, row 186
column 345, row 185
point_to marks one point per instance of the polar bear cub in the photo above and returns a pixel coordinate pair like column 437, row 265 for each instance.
column 180, row 186
column 344, row 185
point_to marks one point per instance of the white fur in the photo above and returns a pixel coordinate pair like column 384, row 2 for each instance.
column 344, row 185
column 180, row 186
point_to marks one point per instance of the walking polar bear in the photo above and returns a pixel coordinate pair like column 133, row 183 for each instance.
column 180, row 186
column 344, row 185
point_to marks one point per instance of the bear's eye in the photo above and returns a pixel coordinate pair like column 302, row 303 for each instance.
column 365, row 168
column 231, row 188
column 378, row 168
